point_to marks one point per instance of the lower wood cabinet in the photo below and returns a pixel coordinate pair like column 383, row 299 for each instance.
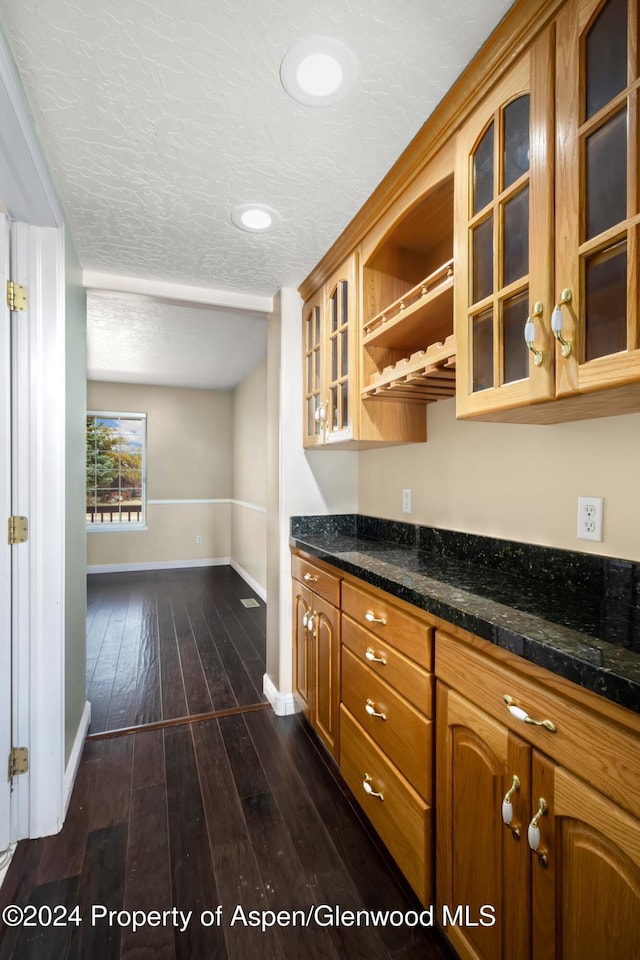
column 576, row 896
column 316, row 651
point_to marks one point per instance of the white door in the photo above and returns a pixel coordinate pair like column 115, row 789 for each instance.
column 5, row 549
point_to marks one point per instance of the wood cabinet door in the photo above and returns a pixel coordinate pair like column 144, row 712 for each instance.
column 586, row 900
column 480, row 862
column 313, row 415
column 598, row 199
column 326, row 673
column 503, row 241
column 302, row 662
column 340, row 354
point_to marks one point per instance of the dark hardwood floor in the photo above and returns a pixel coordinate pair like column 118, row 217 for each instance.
column 242, row 812
column 171, row 643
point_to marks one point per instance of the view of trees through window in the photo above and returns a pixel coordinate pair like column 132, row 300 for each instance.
column 115, row 465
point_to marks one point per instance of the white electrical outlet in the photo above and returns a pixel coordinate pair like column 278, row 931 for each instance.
column 590, row 518
column 407, row 501
column 198, row 538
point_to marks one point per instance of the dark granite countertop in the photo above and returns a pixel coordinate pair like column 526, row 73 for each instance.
column 575, row 614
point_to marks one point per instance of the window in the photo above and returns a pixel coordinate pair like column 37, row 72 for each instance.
column 116, row 470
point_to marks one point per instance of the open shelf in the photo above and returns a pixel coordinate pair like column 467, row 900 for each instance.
column 426, row 306
column 424, row 377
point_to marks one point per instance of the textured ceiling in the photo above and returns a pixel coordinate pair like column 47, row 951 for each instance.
column 158, row 116
column 132, row 339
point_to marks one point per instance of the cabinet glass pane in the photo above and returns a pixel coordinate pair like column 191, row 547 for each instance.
column 344, row 353
column 516, row 140
column 334, row 408
column 309, row 384
column 606, row 157
column 317, row 325
column 334, row 358
column 344, row 296
column 514, row 317
column 606, row 302
column 516, row 238
column 345, row 404
column 483, row 171
column 316, row 385
column 606, row 56
column 333, row 309
column 482, row 260
column 310, row 418
column 482, row 340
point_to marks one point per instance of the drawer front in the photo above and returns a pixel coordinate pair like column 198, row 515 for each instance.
column 403, row 674
column 593, row 747
column 402, row 818
column 404, row 734
column 320, row 581
column 373, row 611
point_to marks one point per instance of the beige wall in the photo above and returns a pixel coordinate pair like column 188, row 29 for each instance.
column 75, row 528
column 517, row 482
column 249, row 487
column 189, row 457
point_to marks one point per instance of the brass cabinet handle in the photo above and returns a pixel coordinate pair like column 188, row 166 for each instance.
column 530, row 333
column 533, row 833
column 522, row 715
column 320, row 414
column 556, row 322
column 507, row 807
column 371, row 657
column 370, row 617
column 371, row 710
column 366, row 783
column 309, row 579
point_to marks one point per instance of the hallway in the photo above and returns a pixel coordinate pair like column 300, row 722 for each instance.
column 171, row 643
column 237, row 811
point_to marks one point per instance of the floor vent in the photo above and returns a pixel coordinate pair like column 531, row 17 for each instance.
column 250, row 602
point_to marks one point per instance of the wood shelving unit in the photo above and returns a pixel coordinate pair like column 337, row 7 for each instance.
column 429, row 304
column 424, row 377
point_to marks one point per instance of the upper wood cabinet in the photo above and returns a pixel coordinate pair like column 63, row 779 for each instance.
column 504, row 210
column 547, row 211
column 598, row 200
column 330, row 361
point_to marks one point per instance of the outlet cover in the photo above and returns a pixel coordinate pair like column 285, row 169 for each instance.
column 407, row 498
column 590, row 518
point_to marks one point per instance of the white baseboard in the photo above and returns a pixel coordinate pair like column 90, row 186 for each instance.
column 157, row 565
column 76, row 753
column 255, row 586
column 283, row 704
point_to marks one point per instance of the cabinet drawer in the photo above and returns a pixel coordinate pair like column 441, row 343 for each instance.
column 392, row 624
column 402, row 818
column 404, row 734
column 320, row 581
column 592, row 746
column 403, row 674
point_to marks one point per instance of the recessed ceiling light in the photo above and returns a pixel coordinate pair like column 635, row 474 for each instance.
column 318, row 71
column 254, row 217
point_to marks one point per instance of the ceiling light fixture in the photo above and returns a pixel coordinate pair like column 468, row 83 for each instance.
column 254, row 217
column 318, row 71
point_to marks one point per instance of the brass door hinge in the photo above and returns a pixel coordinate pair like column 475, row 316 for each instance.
column 18, row 762
column 18, row 530
column 16, row 296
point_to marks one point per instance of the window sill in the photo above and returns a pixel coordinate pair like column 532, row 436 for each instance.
column 116, row 527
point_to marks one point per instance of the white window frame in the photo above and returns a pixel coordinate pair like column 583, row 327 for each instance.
column 125, row 527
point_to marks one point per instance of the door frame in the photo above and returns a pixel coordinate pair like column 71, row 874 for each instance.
column 38, row 469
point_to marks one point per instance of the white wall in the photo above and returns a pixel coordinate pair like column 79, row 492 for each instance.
column 249, row 508
column 513, row 481
column 299, row 482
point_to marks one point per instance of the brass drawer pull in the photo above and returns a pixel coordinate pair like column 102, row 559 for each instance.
column 370, row 617
column 533, row 833
column 309, row 579
column 522, row 715
column 371, row 710
column 371, row 657
column 366, row 783
column 507, row 807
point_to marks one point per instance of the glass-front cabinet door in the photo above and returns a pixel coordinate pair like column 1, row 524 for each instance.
column 504, row 213
column 330, row 361
column 598, row 196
